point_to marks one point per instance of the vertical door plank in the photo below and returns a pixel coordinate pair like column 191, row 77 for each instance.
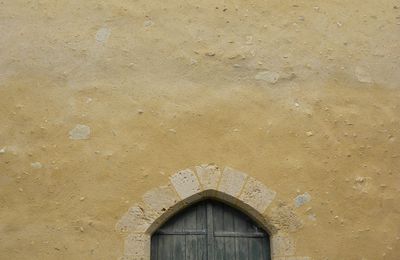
column 241, row 243
column 154, row 247
column 179, row 240
column 255, row 249
column 201, row 224
column 190, row 223
column 201, row 216
column 218, row 225
column 190, row 220
column 218, row 217
column 230, row 251
column 165, row 250
column 228, row 224
column 219, row 249
column 266, row 248
column 191, row 249
column 179, row 245
column 210, row 231
column 202, row 248
column 229, row 215
column 242, row 247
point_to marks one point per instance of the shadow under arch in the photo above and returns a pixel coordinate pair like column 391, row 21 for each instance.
column 258, row 217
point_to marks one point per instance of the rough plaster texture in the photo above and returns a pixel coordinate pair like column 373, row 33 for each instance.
column 166, row 85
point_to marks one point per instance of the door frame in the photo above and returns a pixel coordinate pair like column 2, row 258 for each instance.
column 186, row 187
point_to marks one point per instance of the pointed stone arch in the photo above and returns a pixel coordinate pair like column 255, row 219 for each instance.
column 187, row 187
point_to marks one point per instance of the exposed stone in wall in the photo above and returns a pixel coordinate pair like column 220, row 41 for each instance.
column 302, row 199
column 36, row 165
column 362, row 75
column 79, row 132
column 102, row 34
column 268, row 76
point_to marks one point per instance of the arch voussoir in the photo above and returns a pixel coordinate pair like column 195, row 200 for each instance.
column 257, row 195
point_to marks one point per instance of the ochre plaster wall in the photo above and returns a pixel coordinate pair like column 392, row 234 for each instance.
column 101, row 101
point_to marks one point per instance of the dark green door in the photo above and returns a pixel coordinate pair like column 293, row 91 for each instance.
column 210, row 230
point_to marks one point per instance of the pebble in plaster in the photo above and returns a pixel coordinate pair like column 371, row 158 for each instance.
column 36, row 165
column 208, row 175
column 185, row 183
column 268, row 76
column 148, row 23
column 257, row 195
column 102, row 34
column 302, row 199
column 79, row 132
column 232, row 181
column 160, row 199
column 2, row 150
column 362, row 75
column 312, row 217
column 361, row 184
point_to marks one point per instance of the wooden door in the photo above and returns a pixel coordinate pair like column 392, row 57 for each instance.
column 210, row 230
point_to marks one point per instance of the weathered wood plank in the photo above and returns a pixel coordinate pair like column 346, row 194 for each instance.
column 219, row 249
column 255, row 249
column 201, row 224
column 210, row 232
column 242, row 247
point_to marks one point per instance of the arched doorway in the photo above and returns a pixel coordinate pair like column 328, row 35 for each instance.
column 210, row 230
